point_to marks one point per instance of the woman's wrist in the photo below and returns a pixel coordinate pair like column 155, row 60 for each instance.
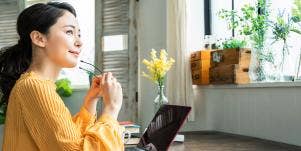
column 111, row 111
column 90, row 104
column 89, row 98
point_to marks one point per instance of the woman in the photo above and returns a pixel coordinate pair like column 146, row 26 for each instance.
column 36, row 117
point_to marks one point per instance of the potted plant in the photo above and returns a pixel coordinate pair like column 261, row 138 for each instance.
column 253, row 24
column 232, row 43
column 63, row 87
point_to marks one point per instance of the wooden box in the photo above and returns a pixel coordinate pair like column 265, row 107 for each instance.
column 200, row 64
column 200, row 55
column 200, row 77
column 240, row 56
column 229, row 74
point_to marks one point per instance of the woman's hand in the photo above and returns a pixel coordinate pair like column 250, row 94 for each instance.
column 95, row 90
column 112, row 95
column 93, row 94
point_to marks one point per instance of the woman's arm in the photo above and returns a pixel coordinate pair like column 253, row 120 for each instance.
column 106, row 86
column 50, row 123
column 86, row 116
column 92, row 96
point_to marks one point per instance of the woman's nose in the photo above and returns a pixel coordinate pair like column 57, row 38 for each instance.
column 78, row 42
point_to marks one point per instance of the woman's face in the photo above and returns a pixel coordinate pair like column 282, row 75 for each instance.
column 63, row 44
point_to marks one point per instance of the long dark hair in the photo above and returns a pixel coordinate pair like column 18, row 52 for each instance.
column 16, row 59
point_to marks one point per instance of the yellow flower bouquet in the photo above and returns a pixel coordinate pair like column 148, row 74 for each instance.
column 157, row 68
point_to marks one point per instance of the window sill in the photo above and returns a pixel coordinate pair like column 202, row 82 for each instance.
column 77, row 88
column 254, row 85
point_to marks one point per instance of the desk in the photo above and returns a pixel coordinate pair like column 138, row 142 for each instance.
column 218, row 141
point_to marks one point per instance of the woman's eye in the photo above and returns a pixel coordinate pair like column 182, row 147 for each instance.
column 70, row 32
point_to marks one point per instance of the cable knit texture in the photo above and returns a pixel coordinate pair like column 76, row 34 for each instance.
column 37, row 119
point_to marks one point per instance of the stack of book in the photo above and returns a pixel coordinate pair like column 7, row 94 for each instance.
column 134, row 131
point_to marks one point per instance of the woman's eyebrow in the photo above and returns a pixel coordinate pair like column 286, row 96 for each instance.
column 72, row 26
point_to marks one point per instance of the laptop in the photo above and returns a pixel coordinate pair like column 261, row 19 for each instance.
column 162, row 129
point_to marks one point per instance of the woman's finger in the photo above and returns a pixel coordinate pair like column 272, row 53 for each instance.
column 95, row 82
column 103, row 78
column 109, row 77
column 114, row 80
column 97, row 79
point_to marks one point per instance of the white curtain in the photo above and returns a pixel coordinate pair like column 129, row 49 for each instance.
column 185, row 33
column 179, row 85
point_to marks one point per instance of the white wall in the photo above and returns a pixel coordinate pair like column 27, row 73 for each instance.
column 151, row 34
column 268, row 113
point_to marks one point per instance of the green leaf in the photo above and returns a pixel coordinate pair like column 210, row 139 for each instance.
column 63, row 87
column 234, row 43
column 296, row 31
column 2, row 118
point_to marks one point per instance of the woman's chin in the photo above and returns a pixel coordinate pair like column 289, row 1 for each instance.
column 70, row 64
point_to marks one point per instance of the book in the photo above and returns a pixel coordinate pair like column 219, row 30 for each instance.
column 134, row 140
column 130, row 127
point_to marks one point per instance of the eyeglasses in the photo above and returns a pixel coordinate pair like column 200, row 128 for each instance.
column 89, row 71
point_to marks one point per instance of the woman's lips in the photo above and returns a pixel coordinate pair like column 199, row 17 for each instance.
column 76, row 53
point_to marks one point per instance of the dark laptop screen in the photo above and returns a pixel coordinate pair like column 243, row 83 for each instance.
column 163, row 128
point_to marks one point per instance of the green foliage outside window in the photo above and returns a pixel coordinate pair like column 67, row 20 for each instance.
column 297, row 10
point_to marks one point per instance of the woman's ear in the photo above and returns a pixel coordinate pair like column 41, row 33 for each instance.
column 38, row 38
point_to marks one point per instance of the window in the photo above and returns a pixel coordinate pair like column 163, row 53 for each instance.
column 115, row 42
column 8, row 17
column 194, row 27
column 218, row 26
column 276, row 7
column 291, row 61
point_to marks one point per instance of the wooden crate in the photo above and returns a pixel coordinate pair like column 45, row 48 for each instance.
column 229, row 74
column 200, row 64
column 200, row 77
column 231, row 56
column 200, row 55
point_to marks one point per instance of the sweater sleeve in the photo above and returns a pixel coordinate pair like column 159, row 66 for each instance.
column 83, row 119
column 51, row 125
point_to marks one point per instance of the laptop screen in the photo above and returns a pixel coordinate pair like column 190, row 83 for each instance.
column 163, row 127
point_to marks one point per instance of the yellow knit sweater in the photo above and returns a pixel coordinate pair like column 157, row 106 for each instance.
column 37, row 119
